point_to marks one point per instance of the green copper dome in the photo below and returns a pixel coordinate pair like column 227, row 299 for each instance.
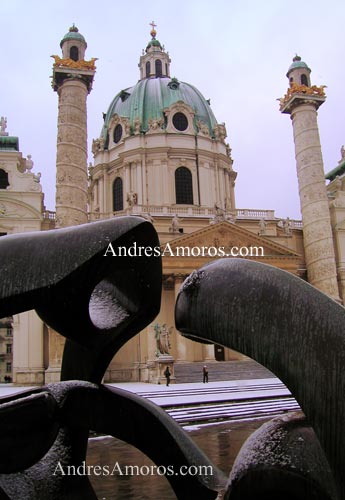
column 297, row 63
column 73, row 34
column 150, row 96
column 153, row 43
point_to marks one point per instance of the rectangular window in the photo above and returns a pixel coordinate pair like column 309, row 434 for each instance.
column 8, row 348
column 9, row 331
column 8, row 367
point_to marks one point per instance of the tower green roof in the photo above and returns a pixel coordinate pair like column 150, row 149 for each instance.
column 73, row 34
column 154, row 43
column 150, row 96
column 297, row 63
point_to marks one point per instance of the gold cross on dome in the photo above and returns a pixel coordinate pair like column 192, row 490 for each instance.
column 152, row 23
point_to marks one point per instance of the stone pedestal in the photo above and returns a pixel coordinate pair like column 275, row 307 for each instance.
column 209, row 353
column 157, row 368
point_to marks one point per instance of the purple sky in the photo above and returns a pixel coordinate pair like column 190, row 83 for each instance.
column 236, row 52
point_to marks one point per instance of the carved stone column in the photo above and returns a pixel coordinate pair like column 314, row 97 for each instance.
column 72, row 80
column 71, row 156
column 317, row 232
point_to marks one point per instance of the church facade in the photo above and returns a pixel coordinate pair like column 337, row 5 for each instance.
column 163, row 155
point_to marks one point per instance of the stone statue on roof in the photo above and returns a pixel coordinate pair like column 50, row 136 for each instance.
column 3, row 125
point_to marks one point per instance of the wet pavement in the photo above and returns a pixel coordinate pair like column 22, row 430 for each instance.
column 221, row 442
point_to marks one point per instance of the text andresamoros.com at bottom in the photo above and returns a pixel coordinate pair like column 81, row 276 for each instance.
column 131, row 470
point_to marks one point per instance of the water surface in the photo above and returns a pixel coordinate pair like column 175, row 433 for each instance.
column 221, row 442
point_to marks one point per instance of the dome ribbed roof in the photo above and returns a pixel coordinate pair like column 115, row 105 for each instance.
column 73, row 34
column 149, row 97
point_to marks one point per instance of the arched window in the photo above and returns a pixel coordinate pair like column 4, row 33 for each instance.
column 158, row 67
column 184, row 186
column 148, row 69
column 304, row 80
column 117, row 133
column 117, row 195
column 3, row 179
column 74, row 53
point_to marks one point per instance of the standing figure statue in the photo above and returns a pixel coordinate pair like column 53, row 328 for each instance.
column 342, row 152
column 3, row 125
column 175, row 224
column 287, row 226
column 162, row 335
column 262, row 227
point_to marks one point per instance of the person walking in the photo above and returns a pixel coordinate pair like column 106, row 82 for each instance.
column 167, row 375
column 205, row 374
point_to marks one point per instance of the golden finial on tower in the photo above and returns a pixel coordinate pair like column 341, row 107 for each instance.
column 153, row 32
column 73, row 28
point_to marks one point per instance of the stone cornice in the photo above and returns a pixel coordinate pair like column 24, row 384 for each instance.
column 237, row 232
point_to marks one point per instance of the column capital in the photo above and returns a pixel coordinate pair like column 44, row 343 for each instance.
column 298, row 95
column 66, row 69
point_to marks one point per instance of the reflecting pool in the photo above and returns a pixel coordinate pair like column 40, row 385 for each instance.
column 221, row 442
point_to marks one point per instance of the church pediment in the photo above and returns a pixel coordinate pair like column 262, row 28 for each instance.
column 16, row 209
column 228, row 239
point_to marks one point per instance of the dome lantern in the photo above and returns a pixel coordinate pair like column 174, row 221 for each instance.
column 299, row 72
column 73, row 45
column 155, row 62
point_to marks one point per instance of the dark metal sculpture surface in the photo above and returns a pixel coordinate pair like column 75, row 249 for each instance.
column 98, row 303
column 282, row 460
column 286, row 325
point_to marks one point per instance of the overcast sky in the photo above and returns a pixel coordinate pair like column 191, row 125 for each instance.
column 236, row 52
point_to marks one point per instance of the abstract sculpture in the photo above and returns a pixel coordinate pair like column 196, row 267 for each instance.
column 98, row 303
column 286, row 325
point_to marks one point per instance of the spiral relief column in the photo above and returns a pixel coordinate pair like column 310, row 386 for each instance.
column 301, row 102
column 72, row 80
column 71, row 156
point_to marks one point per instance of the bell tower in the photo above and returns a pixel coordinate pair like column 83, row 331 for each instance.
column 72, row 80
column 301, row 102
